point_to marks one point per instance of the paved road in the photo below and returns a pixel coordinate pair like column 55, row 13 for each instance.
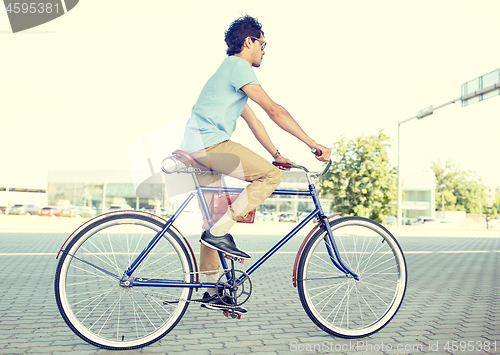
column 453, row 295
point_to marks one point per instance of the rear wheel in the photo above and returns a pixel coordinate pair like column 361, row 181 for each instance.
column 336, row 302
column 88, row 291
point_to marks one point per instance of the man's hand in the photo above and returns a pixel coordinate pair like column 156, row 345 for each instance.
column 326, row 153
column 282, row 160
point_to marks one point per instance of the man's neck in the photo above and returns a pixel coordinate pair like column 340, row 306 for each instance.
column 244, row 55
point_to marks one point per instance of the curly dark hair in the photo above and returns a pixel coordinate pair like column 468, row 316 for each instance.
column 239, row 30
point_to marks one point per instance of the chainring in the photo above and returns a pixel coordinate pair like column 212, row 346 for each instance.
column 234, row 292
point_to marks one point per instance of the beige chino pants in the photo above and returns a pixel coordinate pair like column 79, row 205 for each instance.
column 235, row 160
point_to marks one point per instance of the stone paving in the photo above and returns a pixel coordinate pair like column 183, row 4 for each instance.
column 452, row 305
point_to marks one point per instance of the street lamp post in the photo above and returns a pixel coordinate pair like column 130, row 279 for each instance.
column 442, row 187
column 421, row 114
column 472, row 89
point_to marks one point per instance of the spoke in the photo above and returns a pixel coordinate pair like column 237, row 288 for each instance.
column 158, row 260
column 339, row 305
column 103, row 275
column 103, row 298
column 140, row 308
column 331, row 296
column 381, row 272
column 154, row 309
column 367, row 241
column 117, row 301
column 110, row 263
column 161, row 305
column 317, row 288
column 391, row 290
column 90, row 298
column 145, row 261
column 374, row 266
column 332, row 287
column 132, row 299
column 366, row 302
column 330, row 264
column 86, row 282
column 359, row 307
column 373, row 252
column 112, row 251
column 375, row 294
column 105, row 253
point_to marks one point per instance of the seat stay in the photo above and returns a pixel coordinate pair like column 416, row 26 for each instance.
column 156, row 238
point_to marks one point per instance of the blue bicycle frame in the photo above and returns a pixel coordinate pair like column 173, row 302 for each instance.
column 318, row 212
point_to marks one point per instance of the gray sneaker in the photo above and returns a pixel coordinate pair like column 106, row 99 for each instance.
column 214, row 303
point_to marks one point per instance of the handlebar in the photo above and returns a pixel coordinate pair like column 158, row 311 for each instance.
column 315, row 151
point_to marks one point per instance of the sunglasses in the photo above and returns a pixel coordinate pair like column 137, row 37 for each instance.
column 263, row 44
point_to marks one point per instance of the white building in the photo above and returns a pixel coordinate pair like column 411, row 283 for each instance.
column 419, row 195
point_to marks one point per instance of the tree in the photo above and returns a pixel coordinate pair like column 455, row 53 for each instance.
column 447, row 181
column 496, row 204
column 361, row 180
column 463, row 190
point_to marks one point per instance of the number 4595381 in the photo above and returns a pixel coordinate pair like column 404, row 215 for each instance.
column 470, row 345
column 32, row 8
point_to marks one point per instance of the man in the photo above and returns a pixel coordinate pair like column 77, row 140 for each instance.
column 207, row 138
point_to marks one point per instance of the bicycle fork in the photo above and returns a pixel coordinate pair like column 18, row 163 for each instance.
column 333, row 251
column 331, row 247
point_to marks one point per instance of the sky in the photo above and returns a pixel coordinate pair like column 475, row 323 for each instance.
column 76, row 92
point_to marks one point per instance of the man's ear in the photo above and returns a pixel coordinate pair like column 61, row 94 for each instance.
column 247, row 42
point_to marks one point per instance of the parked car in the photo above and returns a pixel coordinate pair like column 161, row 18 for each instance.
column 149, row 209
column 119, row 208
column 446, row 224
column 287, row 217
column 26, row 210
column 50, row 211
column 391, row 220
column 268, row 216
column 426, row 221
column 3, row 209
column 408, row 221
column 79, row 211
column 494, row 224
column 165, row 213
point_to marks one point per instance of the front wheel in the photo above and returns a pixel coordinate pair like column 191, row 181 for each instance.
column 88, row 291
column 336, row 302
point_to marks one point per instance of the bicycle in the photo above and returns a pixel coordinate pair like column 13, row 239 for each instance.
column 350, row 271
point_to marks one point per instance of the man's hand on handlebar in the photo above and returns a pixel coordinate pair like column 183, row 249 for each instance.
column 325, row 153
column 283, row 160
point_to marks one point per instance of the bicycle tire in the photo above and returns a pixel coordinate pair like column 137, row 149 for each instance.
column 341, row 305
column 96, row 307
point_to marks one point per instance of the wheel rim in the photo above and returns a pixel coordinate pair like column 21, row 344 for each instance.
column 107, row 314
column 343, row 305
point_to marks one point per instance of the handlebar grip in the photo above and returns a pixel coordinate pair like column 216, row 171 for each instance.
column 316, row 152
column 287, row 166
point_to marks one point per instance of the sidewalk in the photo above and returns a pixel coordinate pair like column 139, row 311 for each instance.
column 23, row 224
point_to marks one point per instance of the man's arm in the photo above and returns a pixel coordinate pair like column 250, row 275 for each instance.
column 259, row 131
column 282, row 118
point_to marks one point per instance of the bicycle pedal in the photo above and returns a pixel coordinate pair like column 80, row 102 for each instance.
column 227, row 314
column 234, row 258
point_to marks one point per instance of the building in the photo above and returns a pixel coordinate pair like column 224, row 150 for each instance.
column 98, row 189
column 10, row 196
column 419, row 191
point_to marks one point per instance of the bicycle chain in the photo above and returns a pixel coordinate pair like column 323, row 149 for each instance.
column 191, row 273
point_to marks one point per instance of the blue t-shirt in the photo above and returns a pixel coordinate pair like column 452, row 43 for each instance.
column 219, row 105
